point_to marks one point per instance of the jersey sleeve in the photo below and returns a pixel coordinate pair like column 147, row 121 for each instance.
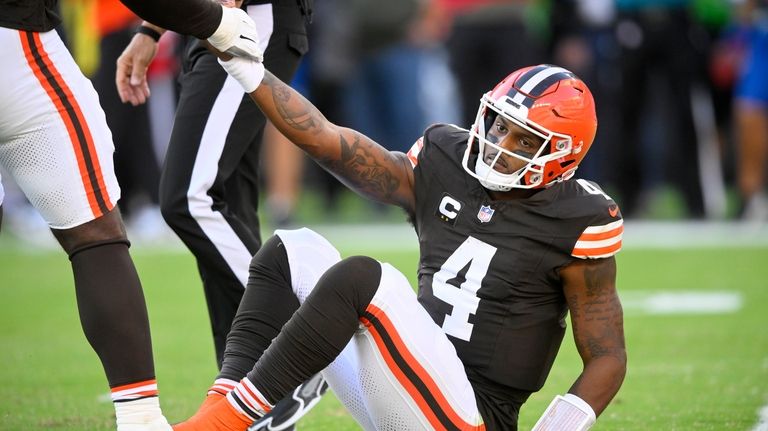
column 604, row 230
column 599, row 240
column 413, row 153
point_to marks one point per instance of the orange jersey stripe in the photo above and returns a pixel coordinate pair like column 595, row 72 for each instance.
column 413, row 153
column 134, row 385
column 602, row 235
column 404, row 381
column 597, row 252
column 73, row 120
column 414, row 364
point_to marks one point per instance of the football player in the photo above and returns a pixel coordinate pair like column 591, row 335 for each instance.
column 510, row 243
column 54, row 141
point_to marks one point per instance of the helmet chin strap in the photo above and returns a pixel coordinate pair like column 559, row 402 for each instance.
column 492, row 179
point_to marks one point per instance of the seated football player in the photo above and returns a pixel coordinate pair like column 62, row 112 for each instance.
column 510, row 244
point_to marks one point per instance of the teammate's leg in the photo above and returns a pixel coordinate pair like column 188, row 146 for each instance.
column 56, row 145
column 113, row 315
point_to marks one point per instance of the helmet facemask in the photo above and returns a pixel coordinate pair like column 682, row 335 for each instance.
column 531, row 175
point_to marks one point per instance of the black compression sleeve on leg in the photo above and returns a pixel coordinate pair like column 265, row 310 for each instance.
column 320, row 329
column 267, row 304
column 113, row 313
column 199, row 18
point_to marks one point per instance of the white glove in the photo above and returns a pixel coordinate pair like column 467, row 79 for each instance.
column 237, row 35
column 247, row 72
column 566, row 413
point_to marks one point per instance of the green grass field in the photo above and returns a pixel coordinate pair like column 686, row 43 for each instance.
column 687, row 371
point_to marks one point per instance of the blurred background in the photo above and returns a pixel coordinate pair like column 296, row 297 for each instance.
column 682, row 146
column 680, row 89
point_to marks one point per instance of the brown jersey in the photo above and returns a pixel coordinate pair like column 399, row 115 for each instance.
column 489, row 270
column 33, row 15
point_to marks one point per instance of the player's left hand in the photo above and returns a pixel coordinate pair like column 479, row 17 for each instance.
column 237, row 35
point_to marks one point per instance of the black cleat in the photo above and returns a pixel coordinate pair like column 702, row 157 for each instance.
column 292, row 408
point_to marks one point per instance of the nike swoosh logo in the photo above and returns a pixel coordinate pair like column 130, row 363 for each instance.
column 247, row 38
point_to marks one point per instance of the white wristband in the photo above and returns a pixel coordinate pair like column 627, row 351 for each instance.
column 566, row 413
column 247, row 72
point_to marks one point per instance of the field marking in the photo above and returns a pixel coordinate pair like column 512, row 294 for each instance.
column 401, row 237
column 681, row 302
column 762, row 419
column 637, row 235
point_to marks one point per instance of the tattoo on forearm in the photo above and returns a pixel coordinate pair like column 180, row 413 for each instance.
column 359, row 161
column 359, row 165
column 600, row 313
column 299, row 114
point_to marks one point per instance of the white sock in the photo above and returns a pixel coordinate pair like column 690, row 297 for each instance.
column 142, row 414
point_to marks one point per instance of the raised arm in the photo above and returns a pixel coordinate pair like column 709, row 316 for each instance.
column 360, row 163
column 598, row 329
column 228, row 29
column 199, row 18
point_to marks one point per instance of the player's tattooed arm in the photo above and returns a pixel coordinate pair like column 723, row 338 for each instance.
column 360, row 163
column 598, row 329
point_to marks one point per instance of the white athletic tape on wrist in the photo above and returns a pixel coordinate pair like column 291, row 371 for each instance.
column 247, row 72
column 566, row 413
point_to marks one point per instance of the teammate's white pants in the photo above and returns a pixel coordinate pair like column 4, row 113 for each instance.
column 399, row 371
column 54, row 138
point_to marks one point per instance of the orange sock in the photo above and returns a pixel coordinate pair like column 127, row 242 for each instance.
column 210, row 400
column 215, row 414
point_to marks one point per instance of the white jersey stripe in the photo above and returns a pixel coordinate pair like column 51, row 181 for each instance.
column 597, row 244
column 605, row 227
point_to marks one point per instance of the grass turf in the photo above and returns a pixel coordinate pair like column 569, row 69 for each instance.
column 686, row 371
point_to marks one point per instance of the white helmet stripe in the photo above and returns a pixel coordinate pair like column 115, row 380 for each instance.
column 521, row 98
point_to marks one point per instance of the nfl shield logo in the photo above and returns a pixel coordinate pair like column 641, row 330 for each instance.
column 485, row 213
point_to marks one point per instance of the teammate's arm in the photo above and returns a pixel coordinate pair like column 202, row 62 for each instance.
column 356, row 160
column 199, row 18
column 598, row 329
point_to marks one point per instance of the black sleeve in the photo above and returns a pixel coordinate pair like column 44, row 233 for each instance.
column 199, row 18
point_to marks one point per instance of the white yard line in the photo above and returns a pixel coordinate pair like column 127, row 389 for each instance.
column 681, row 302
column 637, row 235
column 401, row 237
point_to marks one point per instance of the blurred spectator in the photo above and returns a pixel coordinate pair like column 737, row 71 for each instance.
column 751, row 112
column 284, row 170
column 487, row 40
column 382, row 71
column 136, row 165
column 663, row 51
column 583, row 40
column 162, row 77
column 393, row 47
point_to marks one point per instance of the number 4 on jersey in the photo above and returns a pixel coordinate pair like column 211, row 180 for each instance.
column 464, row 300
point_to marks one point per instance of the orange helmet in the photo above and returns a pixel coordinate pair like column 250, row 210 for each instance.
column 550, row 102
